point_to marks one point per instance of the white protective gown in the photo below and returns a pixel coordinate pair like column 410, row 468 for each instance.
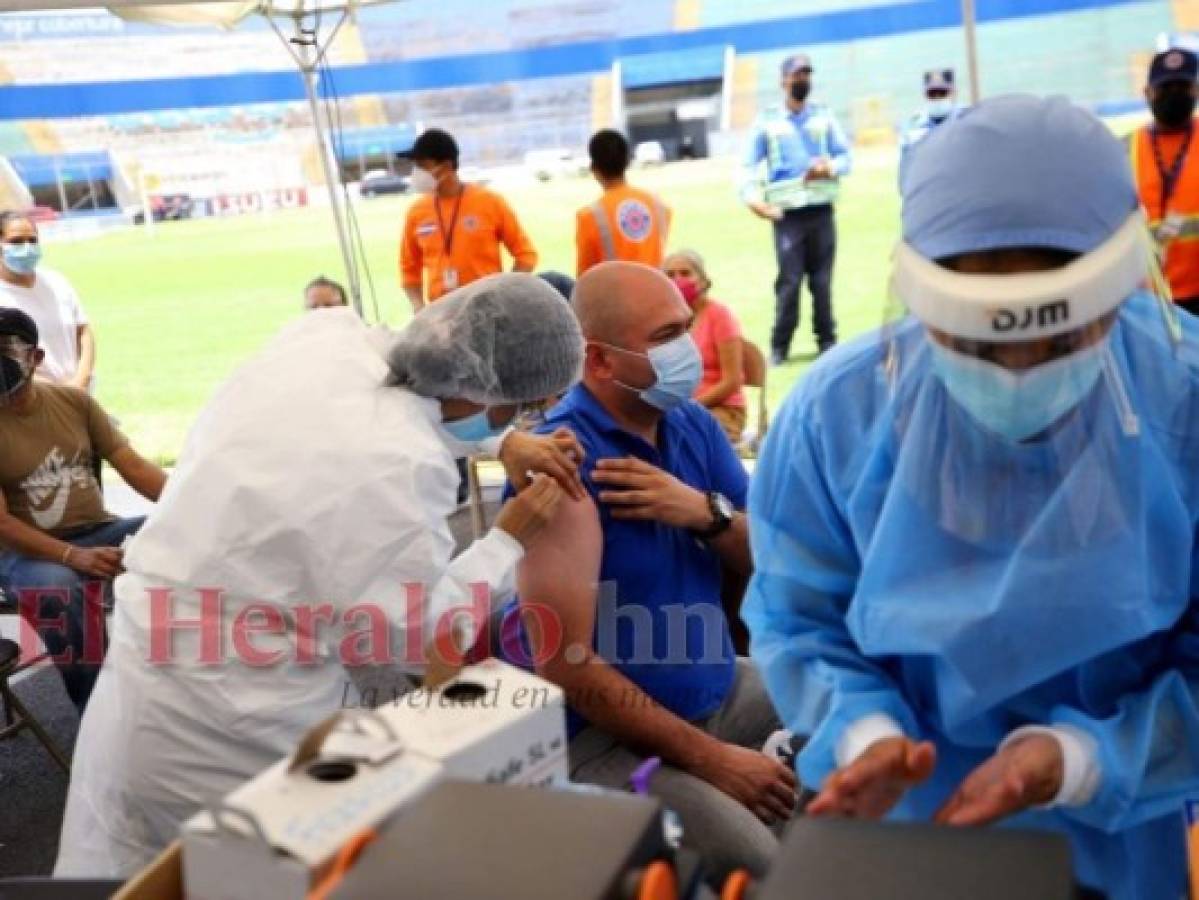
column 305, row 482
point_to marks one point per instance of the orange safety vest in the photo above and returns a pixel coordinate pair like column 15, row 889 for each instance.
column 1174, row 221
column 626, row 223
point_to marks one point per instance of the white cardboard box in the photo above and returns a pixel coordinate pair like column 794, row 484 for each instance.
column 278, row 835
column 492, row 722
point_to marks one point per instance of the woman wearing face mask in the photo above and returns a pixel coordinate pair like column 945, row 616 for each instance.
column 49, row 299
column 717, row 334
column 313, row 494
column 974, row 531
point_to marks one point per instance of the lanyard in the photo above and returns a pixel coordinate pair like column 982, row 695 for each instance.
column 1169, row 176
column 447, row 238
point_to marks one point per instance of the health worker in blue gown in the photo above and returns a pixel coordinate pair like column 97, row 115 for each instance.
column 974, row 530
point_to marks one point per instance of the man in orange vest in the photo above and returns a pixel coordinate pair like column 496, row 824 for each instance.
column 626, row 223
column 453, row 231
column 1166, row 167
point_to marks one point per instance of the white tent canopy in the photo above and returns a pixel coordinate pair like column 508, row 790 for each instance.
column 307, row 48
column 192, row 12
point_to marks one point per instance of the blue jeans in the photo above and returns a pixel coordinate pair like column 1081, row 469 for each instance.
column 66, row 607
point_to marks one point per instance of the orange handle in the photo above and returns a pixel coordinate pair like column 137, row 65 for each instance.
column 658, row 882
column 343, row 862
column 736, row 886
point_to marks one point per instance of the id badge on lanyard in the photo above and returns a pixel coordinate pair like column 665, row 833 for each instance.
column 1170, row 228
column 449, row 275
column 1171, row 224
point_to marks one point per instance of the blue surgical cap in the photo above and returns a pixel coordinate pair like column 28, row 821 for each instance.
column 1016, row 171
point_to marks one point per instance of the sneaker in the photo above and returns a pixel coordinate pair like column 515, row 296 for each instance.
column 777, row 357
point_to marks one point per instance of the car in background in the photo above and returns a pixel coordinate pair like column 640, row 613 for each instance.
column 167, row 208
column 378, row 182
column 555, row 163
column 649, row 153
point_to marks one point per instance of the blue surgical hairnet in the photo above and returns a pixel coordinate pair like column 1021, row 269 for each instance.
column 1016, row 171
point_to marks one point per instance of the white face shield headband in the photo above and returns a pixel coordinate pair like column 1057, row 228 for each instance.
column 1026, row 306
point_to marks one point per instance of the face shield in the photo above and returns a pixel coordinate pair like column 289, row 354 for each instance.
column 1021, row 350
column 1015, row 394
column 1018, row 478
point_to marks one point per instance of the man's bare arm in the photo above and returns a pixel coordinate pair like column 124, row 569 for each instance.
column 559, row 574
column 557, row 581
column 139, row 473
column 26, row 540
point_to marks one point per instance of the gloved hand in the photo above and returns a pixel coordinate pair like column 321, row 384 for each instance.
column 869, row 786
column 1026, row 773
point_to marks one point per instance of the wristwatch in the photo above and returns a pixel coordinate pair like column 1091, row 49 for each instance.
column 723, row 512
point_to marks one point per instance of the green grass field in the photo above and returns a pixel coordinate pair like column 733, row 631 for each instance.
column 176, row 311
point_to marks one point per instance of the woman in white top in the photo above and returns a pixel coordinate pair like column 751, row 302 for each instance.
column 48, row 298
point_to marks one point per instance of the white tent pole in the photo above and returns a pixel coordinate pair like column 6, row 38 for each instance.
column 308, row 57
column 968, row 23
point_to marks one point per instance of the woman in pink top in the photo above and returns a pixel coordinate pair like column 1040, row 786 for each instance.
column 717, row 333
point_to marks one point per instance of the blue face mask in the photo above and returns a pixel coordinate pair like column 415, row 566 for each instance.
column 474, row 429
column 939, row 108
column 677, row 370
column 1018, row 405
column 22, row 259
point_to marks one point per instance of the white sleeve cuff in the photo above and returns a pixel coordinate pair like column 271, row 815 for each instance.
column 508, row 550
column 860, row 735
column 1080, row 762
column 491, row 446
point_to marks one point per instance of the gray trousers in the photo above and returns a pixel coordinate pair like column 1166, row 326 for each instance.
column 724, row 832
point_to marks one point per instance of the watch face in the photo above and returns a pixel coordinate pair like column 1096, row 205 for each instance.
column 725, row 506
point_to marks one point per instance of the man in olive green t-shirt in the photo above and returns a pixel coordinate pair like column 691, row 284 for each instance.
column 56, row 537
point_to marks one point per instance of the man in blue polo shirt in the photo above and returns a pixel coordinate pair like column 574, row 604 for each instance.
column 621, row 598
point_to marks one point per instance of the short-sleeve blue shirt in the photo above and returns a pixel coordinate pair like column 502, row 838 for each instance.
column 659, row 619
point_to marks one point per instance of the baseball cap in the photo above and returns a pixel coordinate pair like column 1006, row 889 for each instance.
column 795, row 62
column 436, row 145
column 15, row 323
column 1175, row 64
column 938, row 80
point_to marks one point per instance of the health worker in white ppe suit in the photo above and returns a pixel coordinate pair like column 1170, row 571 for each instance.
column 311, row 496
column 974, row 531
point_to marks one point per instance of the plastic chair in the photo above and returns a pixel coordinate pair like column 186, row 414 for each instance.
column 16, row 715
column 753, row 371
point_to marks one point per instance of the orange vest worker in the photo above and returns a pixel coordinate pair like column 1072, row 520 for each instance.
column 452, row 241
column 1165, row 164
column 626, row 223
column 1174, row 219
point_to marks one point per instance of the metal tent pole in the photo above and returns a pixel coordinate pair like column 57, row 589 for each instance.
column 968, row 23
column 308, row 56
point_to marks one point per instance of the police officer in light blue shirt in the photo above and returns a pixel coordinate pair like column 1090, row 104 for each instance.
column 791, row 174
column 940, row 107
